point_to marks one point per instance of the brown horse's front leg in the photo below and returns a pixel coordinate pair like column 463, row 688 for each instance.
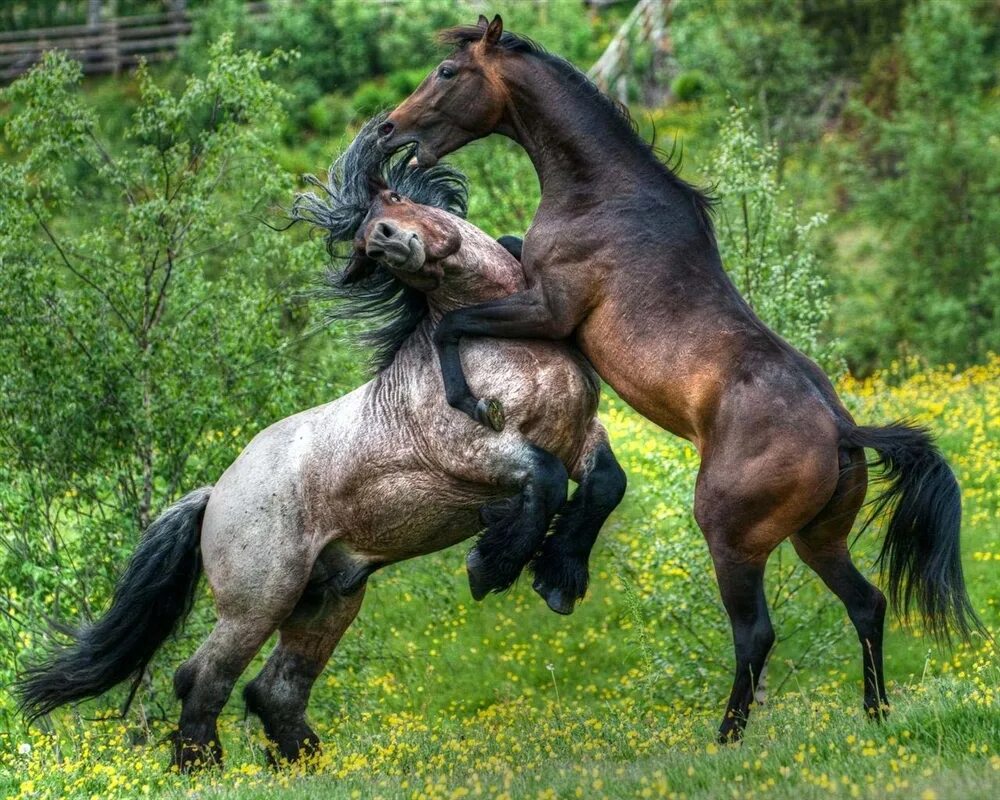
column 522, row 315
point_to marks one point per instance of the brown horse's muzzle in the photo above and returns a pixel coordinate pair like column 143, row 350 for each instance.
column 395, row 247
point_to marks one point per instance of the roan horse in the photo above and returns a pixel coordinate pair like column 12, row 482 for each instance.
column 622, row 255
column 290, row 533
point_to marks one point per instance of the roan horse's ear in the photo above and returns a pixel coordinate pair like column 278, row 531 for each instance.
column 359, row 267
column 493, row 31
column 376, row 184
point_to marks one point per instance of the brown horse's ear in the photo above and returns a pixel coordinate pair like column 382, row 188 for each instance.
column 483, row 22
column 358, row 268
column 493, row 31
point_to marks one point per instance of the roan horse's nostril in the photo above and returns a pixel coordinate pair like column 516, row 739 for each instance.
column 386, row 128
column 385, row 229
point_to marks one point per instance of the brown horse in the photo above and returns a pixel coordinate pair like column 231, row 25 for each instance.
column 290, row 533
column 621, row 255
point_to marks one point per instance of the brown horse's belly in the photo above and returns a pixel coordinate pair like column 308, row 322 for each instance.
column 662, row 379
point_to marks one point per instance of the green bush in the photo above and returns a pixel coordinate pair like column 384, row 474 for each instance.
column 931, row 188
column 689, row 85
column 769, row 250
column 329, row 115
column 373, row 97
column 148, row 320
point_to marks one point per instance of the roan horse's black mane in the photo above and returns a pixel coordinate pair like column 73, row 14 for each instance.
column 618, row 114
column 378, row 296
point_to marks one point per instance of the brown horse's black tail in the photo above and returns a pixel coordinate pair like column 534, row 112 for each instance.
column 920, row 555
column 151, row 598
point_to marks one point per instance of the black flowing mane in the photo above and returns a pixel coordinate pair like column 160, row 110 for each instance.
column 345, row 198
column 622, row 122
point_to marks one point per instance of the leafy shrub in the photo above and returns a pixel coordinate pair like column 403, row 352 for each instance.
column 373, row 97
column 688, row 85
column 147, row 319
column 329, row 115
column 770, row 252
column 931, row 185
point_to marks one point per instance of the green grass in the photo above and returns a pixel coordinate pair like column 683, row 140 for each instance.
column 432, row 695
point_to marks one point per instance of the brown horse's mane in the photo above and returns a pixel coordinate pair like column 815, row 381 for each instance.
column 340, row 208
column 622, row 121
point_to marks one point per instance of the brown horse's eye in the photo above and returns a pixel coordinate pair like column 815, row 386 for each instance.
column 446, row 73
column 395, row 198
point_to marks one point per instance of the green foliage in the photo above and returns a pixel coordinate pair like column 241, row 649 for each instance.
column 345, row 44
column 768, row 249
column 759, row 53
column 932, row 188
column 689, row 85
column 147, row 316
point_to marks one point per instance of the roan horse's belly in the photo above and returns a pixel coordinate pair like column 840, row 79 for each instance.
column 443, row 467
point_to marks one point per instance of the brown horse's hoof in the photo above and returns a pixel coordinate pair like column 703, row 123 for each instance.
column 477, row 580
column 556, row 599
column 489, row 412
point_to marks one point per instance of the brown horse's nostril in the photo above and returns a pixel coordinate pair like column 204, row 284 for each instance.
column 386, row 128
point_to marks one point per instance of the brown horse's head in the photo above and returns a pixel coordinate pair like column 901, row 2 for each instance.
column 410, row 239
column 463, row 99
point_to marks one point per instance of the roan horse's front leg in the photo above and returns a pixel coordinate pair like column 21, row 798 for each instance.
column 561, row 567
column 516, row 527
column 522, row 315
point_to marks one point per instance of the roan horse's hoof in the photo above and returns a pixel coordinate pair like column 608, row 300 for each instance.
column 477, row 580
column 558, row 600
column 489, row 412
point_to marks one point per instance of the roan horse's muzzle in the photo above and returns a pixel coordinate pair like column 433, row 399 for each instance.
column 394, row 246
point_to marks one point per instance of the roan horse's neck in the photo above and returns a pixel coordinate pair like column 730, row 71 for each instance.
column 577, row 141
column 479, row 271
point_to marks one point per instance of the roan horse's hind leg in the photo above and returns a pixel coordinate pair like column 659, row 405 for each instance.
column 515, row 528
column 203, row 684
column 560, row 569
column 279, row 694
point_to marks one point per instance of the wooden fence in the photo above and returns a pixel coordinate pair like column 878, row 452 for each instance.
column 104, row 45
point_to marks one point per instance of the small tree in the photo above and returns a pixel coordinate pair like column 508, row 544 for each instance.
column 143, row 326
column 768, row 250
column 933, row 189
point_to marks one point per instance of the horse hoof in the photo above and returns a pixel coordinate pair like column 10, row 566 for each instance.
column 477, row 581
column 489, row 412
column 556, row 599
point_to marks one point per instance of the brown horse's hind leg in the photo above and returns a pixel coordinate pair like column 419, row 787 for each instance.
column 561, row 569
column 823, row 546
column 741, row 582
column 203, row 684
column 280, row 692
column 750, row 497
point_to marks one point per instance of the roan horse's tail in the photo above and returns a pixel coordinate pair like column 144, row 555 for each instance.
column 150, row 599
column 920, row 554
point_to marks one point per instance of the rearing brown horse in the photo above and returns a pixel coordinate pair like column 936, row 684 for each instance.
column 621, row 254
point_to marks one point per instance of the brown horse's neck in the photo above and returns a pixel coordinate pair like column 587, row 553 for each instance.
column 543, row 115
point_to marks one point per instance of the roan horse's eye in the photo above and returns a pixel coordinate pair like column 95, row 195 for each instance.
column 395, row 198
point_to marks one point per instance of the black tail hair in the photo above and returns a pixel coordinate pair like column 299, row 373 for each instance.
column 151, row 598
column 920, row 556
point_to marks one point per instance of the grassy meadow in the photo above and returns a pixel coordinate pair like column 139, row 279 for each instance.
column 433, row 695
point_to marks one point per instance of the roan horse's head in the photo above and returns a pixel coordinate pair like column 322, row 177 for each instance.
column 408, row 237
column 461, row 100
